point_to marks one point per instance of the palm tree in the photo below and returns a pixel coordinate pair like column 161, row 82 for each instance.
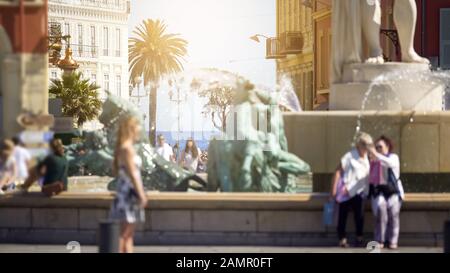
column 154, row 54
column 80, row 97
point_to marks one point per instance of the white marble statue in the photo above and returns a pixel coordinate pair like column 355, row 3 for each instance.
column 353, row 19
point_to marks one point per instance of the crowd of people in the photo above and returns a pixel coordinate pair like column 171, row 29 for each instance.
column 18, row 170
column 190, row 158
column 370, row 171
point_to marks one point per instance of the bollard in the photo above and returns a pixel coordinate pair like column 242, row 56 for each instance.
column 108, row 238
column 447, row 237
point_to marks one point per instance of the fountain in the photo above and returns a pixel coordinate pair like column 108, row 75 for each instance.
column 95, row 154
column 403, row 100
column 251, row 155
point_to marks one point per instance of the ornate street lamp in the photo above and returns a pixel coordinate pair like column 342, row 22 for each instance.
column 174, row 84
column 256, row 37
column 67, row 64
column 138, row 81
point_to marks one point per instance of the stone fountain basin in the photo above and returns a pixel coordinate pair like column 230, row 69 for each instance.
column 422, row 140
column 208, row 219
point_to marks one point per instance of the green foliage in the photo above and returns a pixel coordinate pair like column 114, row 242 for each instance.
column 153, row 54
column 80, row 97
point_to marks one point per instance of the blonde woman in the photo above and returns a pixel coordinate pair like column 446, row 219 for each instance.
column 130, row 202
column 351, row 186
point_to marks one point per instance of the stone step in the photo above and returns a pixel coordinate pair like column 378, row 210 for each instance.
column 365, row 73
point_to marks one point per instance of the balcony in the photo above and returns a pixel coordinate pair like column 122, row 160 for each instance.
column 291, row 43
column 273, row 49
column 103, row 4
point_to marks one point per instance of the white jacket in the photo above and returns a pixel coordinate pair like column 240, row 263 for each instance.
column 356, row 173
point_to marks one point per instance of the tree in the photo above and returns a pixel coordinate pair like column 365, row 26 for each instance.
column 220, row 96
column 219, row 102
column 154, row 54
column 80, row 97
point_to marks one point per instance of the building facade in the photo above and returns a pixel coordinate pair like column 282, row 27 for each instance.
column 433, row 31
column 99, row 40
column 296, row 48
column 310, row 20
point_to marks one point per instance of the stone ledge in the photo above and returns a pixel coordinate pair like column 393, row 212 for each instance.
column 211, row 201
column 208, row 219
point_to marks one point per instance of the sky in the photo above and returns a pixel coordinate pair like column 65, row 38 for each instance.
column 218, row 33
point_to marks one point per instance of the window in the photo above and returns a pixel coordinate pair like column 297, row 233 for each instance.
column 94, row 78
column 105, row 41
column 445, row 39
column 54, row 75
column 106, row 83
column 80, row 39
column 93, row 42
column 67, row 29
column 119, row 85
column 118, row 40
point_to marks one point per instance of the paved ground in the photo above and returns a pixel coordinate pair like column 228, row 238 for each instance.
column 207, row 249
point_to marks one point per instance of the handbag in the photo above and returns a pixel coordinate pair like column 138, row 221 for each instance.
column 393, row 182
column 341, row 194
column 387, row 190
column 328, row 213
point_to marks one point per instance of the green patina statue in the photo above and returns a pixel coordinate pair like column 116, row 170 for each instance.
column 95, row 154
column 252, row 156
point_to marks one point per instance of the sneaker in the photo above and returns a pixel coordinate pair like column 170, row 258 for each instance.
column 393, row 247
column 343, row 243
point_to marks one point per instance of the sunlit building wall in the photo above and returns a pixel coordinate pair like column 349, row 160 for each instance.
column 309, row 68
column 99, row 40
column 295, row 19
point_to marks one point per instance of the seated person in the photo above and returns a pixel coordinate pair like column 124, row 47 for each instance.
column 53, row 169
column 8, row 168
